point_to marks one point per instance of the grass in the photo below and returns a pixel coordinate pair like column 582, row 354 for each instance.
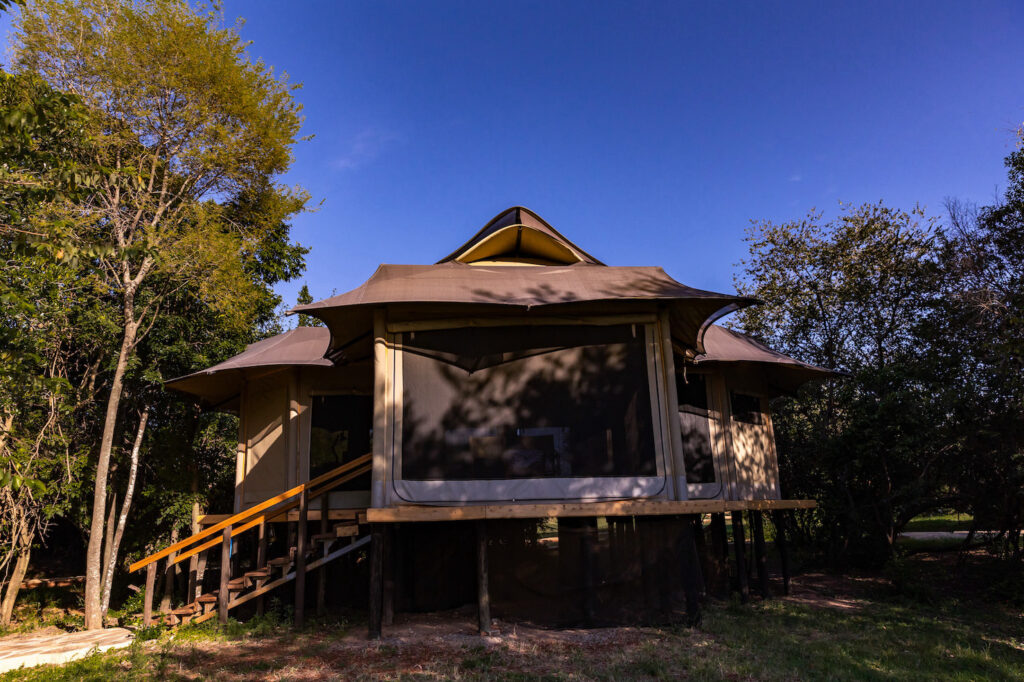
column 939, row 522
column 890, row 630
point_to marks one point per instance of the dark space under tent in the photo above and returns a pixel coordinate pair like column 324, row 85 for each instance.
column 518, row 426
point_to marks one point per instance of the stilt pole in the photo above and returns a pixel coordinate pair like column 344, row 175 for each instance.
column 587, row 541
column 482, row 588
column 739, row 543
column 692, row 576
column 779, row 517
column 760, row 555
column 388, row 596
column 376, row 579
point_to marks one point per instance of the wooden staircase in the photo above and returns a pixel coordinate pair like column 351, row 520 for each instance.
column 341, row 532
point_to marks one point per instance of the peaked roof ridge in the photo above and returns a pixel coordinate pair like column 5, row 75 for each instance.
column 519, row 215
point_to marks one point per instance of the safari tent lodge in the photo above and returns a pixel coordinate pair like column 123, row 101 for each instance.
column 517, row 426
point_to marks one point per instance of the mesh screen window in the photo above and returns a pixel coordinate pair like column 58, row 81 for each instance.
column 341, row 431
column 526, row 402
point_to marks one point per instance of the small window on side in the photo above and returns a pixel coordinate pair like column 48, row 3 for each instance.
column 746, row 408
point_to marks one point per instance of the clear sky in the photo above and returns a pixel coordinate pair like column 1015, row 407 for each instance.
column 651, row 133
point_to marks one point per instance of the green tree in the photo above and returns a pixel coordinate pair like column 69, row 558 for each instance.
column 187, row 130
column 303, row 298
column 852, row 294
column 978, row 358
column 49, row 359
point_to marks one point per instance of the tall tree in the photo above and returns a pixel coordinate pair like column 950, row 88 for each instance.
column 186, row 128
column 851, row 294
column 47, row 288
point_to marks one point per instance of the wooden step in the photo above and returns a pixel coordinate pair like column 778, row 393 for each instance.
column 188, row 610
column 236, row 585
column 349, row 530
column 210, row 598
column 258, row 574
column 323, row 537
column 280, row 561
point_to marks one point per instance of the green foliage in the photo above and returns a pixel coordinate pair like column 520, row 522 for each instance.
column 851, row 294
column 304, row 298
column 139, row 206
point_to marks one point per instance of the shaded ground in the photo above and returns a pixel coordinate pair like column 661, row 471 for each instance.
column 864, row 627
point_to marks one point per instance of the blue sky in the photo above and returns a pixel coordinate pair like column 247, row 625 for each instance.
column 650, row 133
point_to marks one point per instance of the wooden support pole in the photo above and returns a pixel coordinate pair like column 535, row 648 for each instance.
column 147, row 604
column 648, row 564
column 720, row 536
column 261, row 561
column 388, row 595
column 739, row 543
column 701, row 543
column 225, row 576
column 321, row 575
column 588, row 540
column 779, row 517
column 300, row 559
column 760, row 555
column 483, row 594
column 376, row 596
column 693, row 579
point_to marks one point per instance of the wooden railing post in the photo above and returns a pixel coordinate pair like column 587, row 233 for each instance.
column 321, row 575
column 300, row 560
column 225, row 576
column 261, row 561
column 147, row 605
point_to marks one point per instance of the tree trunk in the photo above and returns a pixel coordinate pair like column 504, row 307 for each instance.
column 115, row 543
column 94, row 555
column 14, row 585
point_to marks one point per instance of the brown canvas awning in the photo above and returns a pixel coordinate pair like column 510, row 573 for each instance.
column 781, row 372
column 483, row 289
column 218, row 386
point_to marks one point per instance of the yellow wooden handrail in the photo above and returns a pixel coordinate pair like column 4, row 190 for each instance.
column 263, row 517
column 357, row 463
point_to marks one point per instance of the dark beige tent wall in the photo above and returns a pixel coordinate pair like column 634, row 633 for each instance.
column 727, row 435
column 754, row 466
column 275, row 428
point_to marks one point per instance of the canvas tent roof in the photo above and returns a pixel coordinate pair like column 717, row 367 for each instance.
column 496, row 272
column 785, row 374
column 522, row 223
column 499, row 289
column 219, row 385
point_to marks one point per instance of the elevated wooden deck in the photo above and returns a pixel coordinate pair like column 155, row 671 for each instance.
column 409, row 513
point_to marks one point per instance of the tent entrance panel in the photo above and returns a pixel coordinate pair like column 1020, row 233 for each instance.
column 341, row 427
column 697, row 418
column 555, row 412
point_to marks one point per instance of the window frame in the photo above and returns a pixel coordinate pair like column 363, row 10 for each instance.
column 480, row 491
